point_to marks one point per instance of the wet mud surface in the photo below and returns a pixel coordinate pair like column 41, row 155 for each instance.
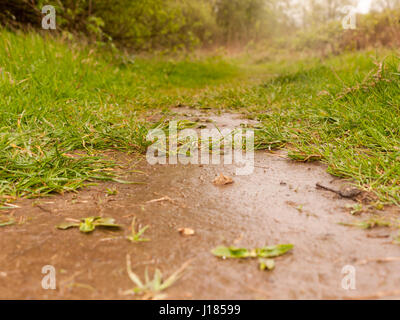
column 278, row 203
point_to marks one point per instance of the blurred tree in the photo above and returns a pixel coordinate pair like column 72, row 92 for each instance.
column 174, row 24
column 239, row 20
column 385, row 4
column 317, row 12
column 18, row 11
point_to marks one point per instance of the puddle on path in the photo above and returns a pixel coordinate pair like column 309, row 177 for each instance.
column 278, row 203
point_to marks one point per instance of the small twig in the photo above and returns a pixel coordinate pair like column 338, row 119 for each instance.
column 349, row 194
column 384, row 259
column 44, row 209
column 319, row 185
column 166, row 198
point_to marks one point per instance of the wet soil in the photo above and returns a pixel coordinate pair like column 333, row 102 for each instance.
column 278, row 203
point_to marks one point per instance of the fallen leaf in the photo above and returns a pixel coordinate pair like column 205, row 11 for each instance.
column 106, row 222
column 67, row 225
column 264, row 252
column 186, row 231
column 273, row 251
column 88, row 224
column 231, row 252
column 266, row 264
column 222, row 180
column 7, row 223
column 369, row 224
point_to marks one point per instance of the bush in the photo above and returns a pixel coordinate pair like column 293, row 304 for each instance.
column 373, row 30
column 150, row 24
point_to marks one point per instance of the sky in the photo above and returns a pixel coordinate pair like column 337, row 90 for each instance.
column 364, row 6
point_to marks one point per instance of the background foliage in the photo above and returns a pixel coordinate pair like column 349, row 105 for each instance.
column 177, row 24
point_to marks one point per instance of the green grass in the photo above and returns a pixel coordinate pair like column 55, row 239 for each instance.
column 59, row 98
column 344, row 111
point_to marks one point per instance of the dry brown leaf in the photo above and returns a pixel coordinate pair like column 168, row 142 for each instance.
column 186, row 231
column 222, row 180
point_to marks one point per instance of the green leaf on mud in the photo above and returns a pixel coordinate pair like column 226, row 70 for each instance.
column 242, row 253
column 266, row 264
column 368, row 224
column 273, row 251
column 67, row 225
column 127, row 182
column 106, row 222
column 355, row 208
column 88, row 224
column 231, row 252
column 7, row 223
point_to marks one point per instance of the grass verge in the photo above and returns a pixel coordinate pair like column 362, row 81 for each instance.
column 62, row 104
column 344, row 111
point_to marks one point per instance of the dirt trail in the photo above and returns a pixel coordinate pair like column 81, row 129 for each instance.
column 278, row 203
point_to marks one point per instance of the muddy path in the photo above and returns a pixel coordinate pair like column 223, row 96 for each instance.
column 278, row 203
